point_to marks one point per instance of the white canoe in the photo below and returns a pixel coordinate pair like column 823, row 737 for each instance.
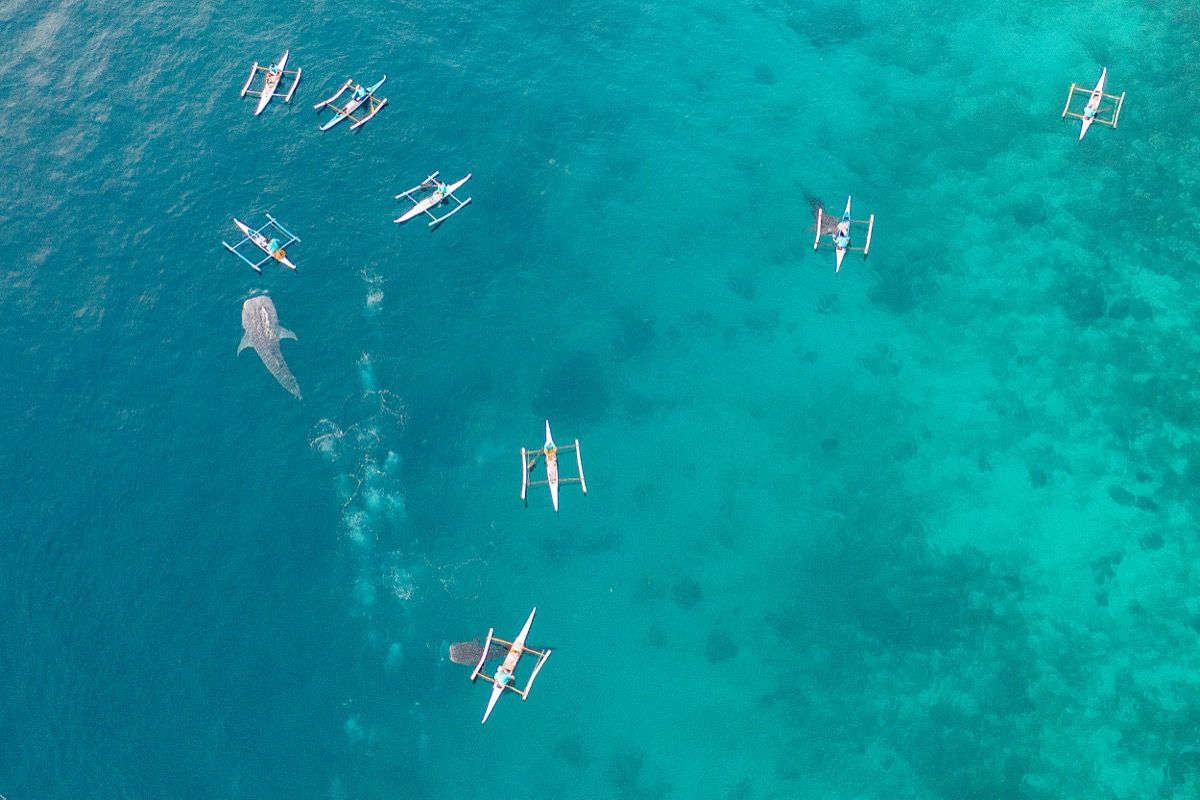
column 551, row 467
column 262, row 242
column 426, row 203
column 352, row 105
column 269, row 87
column 1093, row 102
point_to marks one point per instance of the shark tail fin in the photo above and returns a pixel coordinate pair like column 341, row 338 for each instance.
column 244, row 344
column 284, row 333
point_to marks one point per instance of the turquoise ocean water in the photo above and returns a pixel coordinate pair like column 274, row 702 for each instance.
column 925, row 529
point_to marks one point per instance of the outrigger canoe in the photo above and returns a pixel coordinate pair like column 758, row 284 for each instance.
column 505, row 676
column 509, row 665
column 352, row 105
column 839, row 233
column 263, row 243
column 550, row 451
column 271, row 83
column 436, row 198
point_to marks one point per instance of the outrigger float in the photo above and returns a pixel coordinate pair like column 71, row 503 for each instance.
column 505, row 673
column 273, row 247
column 442, row 192
column 838, row 231
column 1092, row 111
column 275, row 74
column 549, row 451
column 358, row 96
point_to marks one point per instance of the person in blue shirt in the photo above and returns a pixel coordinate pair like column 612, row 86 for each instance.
column 841, row 237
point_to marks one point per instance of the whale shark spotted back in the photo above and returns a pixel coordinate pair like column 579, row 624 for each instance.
column 263, row 332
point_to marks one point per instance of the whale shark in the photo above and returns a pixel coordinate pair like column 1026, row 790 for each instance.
column 829, row 222
column 263, row 333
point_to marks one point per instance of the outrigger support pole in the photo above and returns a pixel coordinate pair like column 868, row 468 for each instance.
column 1120, row 105
column 582, row 484
column 253, row 71
column 524, row 474
column 1070, row 95
column 483, row 656
column 461, row 205
column 285, row 230
column 542, row 656
column 292, row 91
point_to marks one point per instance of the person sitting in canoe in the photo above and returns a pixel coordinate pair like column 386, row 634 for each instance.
column 1089, row 112
column 359, row 93
column 841, row 237
column 548, row 452
column 273, row 246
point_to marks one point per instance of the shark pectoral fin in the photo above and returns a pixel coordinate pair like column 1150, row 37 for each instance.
column 245, row 343
column 284, row 333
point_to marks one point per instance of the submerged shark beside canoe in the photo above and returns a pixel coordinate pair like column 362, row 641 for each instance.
column 263, row 333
